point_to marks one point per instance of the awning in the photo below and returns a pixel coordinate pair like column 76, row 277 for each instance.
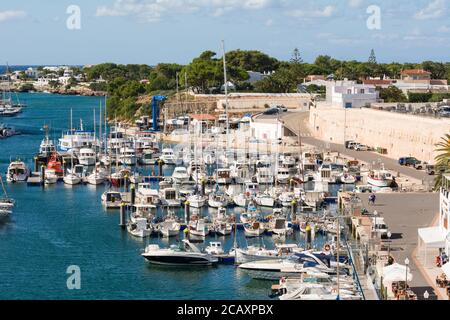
column 433, row 237
column 396, row 273
column 446, row 269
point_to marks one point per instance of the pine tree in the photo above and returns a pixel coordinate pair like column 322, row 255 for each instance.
column 372, row 58
column 296, row 57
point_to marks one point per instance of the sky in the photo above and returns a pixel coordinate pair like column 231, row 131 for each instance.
column 37, row 32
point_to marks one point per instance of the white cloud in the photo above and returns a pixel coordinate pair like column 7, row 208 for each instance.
column 326, row 12
column 435, row 9
column 444, row 29
column 11, row 15
column 355, row 3
column 154, row 10
column 269, row 23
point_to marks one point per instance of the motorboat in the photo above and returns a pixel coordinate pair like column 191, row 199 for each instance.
column 168, row 156
column 140, row 228
column 347, row 178
column 264, row 200
column 169, row 197
column 47, row 147
column 149, row 157
column 6, row 203
column 286, row 198
column 283, row 175
column 185, row 255
column 264, row 176
column 197, row 201
column 242, row 200
column 292, row 267
column 50, row 176
column 240, row 173
column 222, row 228
column 215, row 248
column 317, row 291
column 96, row 178
column 380, row 178
column 324, row 174
column 251, row 188
column 17, row 172
column 72, row 179
column 198, row 228
column 7, row 131
column 280, row 226
column 112, row 199
column 252, row 253
column 180, row 175
column 77, row 139
column 146, row 195
column 223, row 176
column 87, row 157
column 128, row 156
column 169, row 227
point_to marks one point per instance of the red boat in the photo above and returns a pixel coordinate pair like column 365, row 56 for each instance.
column 55, row 164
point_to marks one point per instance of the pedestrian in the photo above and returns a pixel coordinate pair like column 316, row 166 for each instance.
column 372, row 199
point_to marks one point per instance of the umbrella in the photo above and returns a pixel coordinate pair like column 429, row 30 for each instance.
column 446, row 269
column 396, row 272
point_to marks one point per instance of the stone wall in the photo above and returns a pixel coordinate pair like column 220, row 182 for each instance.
column 401, row 134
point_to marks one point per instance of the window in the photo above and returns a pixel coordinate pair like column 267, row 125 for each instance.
column 362, row 91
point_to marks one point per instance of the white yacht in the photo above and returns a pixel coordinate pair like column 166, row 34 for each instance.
column 17, row 172
column 72, row 179
column 87, row 157
column 188, row 255
column 264, row 200
column 283, row 175
column 77, row 139
column 253, row 253
column 286, row 198
column 218, row 200
column 51, row 177
column 149, row 157
column 169, row 227
column 146, row 195
column 264, row 176
column 223, row 176
column 198, row 228
column 47, row 147
column 168, row 156
column 180, row 175
column 96, row 178
column 380, row 178
column 128, row 156
column 197, row 201
column 169, row 197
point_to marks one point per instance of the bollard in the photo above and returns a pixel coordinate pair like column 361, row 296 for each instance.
column 187, row 212
column 123, row 215
column 294, row 211
column 291, row 185
column 126, row 182
column 133, row 195
column 160, row 165
column 36, row 167
column 42, row 175
column 203, row 189
column 308, row 237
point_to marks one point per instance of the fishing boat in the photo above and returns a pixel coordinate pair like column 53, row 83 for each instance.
column 286, row 198
column 17, row 172
column 140, row 228
column 380, row 178
column 197, row 200
column 55, row 164
column 223, row 176
column 242, row 200
column 347, row 178
column 198, row 228
column 185, row 255
column 7, row 131
column 96, row 178
column 149, row 157
column 218, row 200
column 169, row 197
column 279, row 225
column 254, row 229
column 264, row 200
column 47, row 148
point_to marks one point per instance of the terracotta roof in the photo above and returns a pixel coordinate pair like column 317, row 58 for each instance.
column 415, row 72
column 203, row 117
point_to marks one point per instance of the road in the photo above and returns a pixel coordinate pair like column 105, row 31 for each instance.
column 297, row 122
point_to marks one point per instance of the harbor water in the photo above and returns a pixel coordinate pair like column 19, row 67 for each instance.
column 59, row 226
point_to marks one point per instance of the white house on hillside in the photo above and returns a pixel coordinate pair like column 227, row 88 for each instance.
column 348, row 94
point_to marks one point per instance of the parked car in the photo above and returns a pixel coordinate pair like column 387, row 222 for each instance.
column 281, row 107
column 361, row 147
column 420, row 165
column 407, row 161
column 350, row 144
column 272, row 111
column 430, row 169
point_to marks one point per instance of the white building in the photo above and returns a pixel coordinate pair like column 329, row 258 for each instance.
column 32, row 73
column 348, row 94
column 444, row 209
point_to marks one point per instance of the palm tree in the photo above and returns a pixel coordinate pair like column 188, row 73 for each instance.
column 442, row 160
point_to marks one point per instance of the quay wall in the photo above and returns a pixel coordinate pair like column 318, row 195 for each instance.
column 400, row 134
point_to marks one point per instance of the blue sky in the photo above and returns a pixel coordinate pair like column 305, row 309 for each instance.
column 152, row 31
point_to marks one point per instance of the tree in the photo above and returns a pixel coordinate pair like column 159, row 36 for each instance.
column 296, row 57
column 392, row 94
column 251, row 60
column 372, row 57
column 442, row 160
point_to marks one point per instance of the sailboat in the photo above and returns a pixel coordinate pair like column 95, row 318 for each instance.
column 71, row 178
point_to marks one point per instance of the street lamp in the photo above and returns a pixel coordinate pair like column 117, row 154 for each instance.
column 389, row 235
column 426, row 295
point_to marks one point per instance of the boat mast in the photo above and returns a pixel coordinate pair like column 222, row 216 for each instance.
column 3, row 186
column 226, row 89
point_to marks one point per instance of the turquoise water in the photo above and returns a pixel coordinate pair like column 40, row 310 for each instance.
column 55, row 227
